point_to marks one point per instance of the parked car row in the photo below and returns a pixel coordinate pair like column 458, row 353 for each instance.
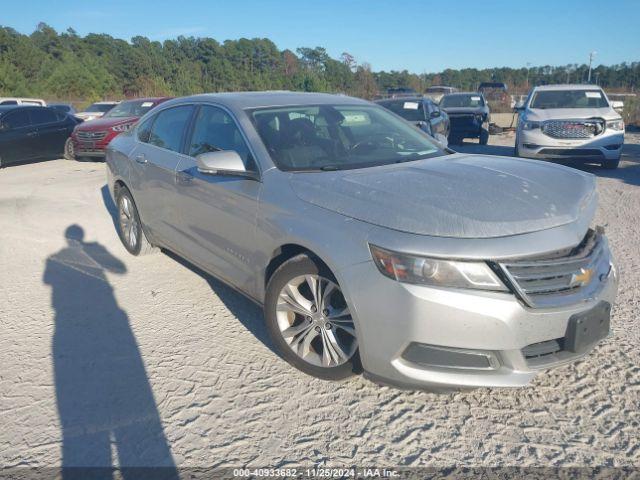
column 369, row 245
column 575, row 123
column 32, row 132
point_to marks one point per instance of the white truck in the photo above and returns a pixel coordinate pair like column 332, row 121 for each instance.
column 22, row 101
column 573, row 123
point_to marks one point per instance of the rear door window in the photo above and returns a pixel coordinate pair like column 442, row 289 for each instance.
column 18, row 119
column 168, row 129
column 42, row 116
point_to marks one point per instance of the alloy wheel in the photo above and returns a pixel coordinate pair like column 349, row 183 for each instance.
column 315, row 321
column 129, row 224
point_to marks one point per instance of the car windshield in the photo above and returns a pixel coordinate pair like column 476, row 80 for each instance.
column 134, row 108
column 411, row 110
column 546, row 99
column 462, row 100
column 99, row 107
column 336, row 137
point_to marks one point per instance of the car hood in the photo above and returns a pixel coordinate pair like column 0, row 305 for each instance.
column 103, row 123
column 540, row 115
column 462, row 196
column 88, row 114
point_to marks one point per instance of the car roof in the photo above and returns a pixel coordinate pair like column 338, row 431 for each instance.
column 416, row 98
column 462, row 93
column 247, row 100
column 581, row 86
column 6, row 108
column 147, row 99
column 107, row 102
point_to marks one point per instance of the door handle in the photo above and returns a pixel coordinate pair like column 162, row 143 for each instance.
column 32, row 134
column 141, row 158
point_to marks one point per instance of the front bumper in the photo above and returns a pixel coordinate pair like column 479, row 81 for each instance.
column 465, row 126
column 90, row 148
column 493, row 325
column 535, row 144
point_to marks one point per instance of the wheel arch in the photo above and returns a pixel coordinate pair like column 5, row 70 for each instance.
column 284, row 253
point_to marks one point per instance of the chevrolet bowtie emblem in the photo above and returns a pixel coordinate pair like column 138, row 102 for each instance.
column 581, row 279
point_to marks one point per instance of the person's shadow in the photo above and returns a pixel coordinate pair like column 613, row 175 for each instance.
column 103, row 393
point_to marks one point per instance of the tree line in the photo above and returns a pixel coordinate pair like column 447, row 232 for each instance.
column 66, row 65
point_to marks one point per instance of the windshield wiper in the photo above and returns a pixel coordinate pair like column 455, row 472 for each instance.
column 330, row 168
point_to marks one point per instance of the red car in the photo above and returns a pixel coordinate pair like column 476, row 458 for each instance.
column 90, row 139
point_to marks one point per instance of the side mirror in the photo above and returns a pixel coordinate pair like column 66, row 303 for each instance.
column 519, row 106
column 221, row 162
column 435, row 114
column 617, row 105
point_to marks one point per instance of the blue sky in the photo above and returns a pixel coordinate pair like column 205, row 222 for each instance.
column 421, row 36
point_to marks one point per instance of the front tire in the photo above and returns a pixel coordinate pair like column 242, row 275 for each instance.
column 130, row 229
column 69, row 151
column 484, row 136
column 309, row 321
column 611, row 164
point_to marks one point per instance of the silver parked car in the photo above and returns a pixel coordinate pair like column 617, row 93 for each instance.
column 575, row 123
column 368, row 245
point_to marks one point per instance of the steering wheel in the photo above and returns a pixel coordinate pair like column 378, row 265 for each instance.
column 375, row 140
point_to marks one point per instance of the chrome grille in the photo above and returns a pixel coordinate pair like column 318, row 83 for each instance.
column 90, row 136
column 572, row 128
column 562, row 278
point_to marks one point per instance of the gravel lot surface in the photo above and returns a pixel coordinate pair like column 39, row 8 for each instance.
column 147, row 361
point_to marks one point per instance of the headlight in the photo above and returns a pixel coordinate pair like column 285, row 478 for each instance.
column 530, row 125
column 436, row 272
column 615, row 125
column 122, row 128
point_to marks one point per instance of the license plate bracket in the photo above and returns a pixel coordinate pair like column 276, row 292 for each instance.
column 587, row 328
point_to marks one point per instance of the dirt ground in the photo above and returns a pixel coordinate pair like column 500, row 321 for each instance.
column 110, row 359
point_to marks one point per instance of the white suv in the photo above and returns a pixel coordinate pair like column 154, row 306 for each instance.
column 570, row 122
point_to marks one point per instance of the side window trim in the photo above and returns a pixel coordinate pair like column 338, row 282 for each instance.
column 152, row 119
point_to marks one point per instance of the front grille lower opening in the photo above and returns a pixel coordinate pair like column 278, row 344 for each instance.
column 543, row 349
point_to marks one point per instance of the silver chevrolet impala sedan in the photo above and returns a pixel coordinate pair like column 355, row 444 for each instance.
column 370, row 246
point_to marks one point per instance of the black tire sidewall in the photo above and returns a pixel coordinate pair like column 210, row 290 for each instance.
column 301, row 265
column 69, row 154
column 122, row 192
column 483, row 138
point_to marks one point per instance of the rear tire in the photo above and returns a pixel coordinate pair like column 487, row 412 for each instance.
column 611, row 164
column 306, row 327
column 130, row 228
column 69, row 152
